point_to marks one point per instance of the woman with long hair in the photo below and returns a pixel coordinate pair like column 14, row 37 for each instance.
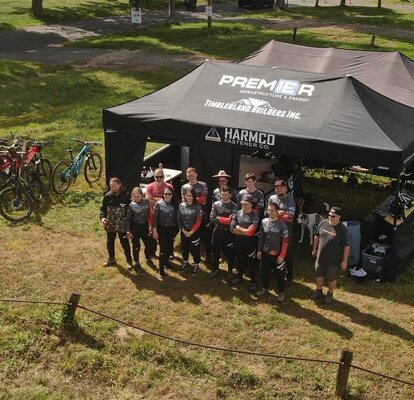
column 113, row 215
column 189, row 222
column 165, row 227
column 138, row 225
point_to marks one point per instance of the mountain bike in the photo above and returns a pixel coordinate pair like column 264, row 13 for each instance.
column 33, row 157
column 17, row 200
column 65, row 173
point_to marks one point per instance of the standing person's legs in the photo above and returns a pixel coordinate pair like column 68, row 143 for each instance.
column 320, row 273
column 280, row 281
column 147, row 240
column 185, row 250
column 217, row 244
column 125, row 246
column 252, row 262
column 164, row 238
column 228, row 249
column 241, row 261
column 110, row 244
column 289, row 263
column 266, row 267
column 136, row 245
column 205, row 234
column 195, row 250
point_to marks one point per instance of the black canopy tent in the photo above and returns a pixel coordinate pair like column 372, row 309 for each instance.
column 390, row 73
column 302, row 114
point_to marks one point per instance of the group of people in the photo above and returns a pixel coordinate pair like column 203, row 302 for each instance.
column 243, row 229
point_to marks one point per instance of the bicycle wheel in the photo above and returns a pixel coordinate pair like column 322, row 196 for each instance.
column 33, row 184
column 4, row 172
column 93, row 168
column 44, row 171
column 61, row 177
column 15, row 204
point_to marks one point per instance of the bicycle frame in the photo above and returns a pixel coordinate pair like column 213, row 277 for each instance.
column 76, row 163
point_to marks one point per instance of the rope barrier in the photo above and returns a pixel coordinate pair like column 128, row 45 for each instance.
column 34, row 302
column 205, row 346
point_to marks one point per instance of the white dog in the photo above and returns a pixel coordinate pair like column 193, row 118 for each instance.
column 310, row 221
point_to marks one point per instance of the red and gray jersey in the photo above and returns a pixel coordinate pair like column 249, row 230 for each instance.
column 217, row 195
column 165, row 214
column 189, row 216
column 200, row 189
column 222, row 214
column 245, row 220
column 258, row 198
column 137, row 213
column 273, row 237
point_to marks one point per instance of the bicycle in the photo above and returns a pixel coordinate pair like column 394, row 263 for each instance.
column 17, row 200
column 65, row 173
column 34, row 157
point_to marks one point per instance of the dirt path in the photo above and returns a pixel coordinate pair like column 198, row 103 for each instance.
column 46, row 43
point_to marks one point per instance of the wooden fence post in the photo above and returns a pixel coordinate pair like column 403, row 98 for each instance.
column 69, row 311
column 343, row 373
column 294, row 34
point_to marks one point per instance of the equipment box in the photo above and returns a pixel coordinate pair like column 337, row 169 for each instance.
column 373, row 261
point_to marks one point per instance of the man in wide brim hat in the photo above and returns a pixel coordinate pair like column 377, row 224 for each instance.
column 222, row 174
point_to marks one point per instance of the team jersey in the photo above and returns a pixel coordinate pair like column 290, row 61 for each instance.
column 221, row 214
column 200, row 189
column 258, row 198
column 165, row 214
column 245, row 221
column 272, row 236
column 155, row 190
column 137, row 213
column 189, row 216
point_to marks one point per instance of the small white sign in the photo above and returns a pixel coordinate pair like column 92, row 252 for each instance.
column 136, row 16
column 209, row 11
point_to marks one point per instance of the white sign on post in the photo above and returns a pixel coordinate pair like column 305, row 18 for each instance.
column 209, row 11
column 136, row 16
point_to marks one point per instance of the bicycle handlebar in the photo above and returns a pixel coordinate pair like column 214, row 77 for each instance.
column 85, row 142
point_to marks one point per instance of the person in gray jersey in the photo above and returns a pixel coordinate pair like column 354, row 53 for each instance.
column 257, row 195
column 271, row 250
column 165, row 227
column 287, row 209
column 138, row 225
column 223, row 180
column 222, row 213
column 189, row 218
column 331, row 247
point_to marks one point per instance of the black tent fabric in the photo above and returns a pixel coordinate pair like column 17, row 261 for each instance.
column 389, row 73
column 303, row 114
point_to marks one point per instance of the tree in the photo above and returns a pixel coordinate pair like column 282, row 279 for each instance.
column 37, row 8
column 172, row 15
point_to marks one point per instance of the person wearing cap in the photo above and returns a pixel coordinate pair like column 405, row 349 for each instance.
column 244, row 226
column 271, row 250
column 287, row 209
column 331, row 247
column 222, row 213
column 223, row 180
column 258, row 196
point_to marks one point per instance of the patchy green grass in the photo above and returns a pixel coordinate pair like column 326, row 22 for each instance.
column 234, row 41
column 17, row 14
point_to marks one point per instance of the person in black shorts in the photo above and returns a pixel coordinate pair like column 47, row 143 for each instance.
column 331, row 248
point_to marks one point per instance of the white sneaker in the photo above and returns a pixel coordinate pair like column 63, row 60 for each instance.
column 360, row 273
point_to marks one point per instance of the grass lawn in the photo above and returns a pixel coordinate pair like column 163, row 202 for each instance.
column 61, row 249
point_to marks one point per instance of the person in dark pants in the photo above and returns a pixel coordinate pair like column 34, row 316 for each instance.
column 244, row 226
column 331, row 247
column 165, row 227
column 287, row 209
column 221, row 215
column 138, row 225
column 271, row 250
column 113, row 215
column 201, row 192
column 189, row 218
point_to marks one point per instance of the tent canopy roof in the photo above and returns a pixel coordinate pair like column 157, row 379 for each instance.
column 389, row 73
column 304, row 114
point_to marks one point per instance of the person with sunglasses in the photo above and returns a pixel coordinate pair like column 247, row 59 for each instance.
column 138, row 225
column 153, row 193
column 271, row 250
column 165, row 227
column 331, row 247
column 223, row 180
column 189, row 218
column 287, row 210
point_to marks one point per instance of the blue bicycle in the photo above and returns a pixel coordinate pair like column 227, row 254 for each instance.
column 65, row 172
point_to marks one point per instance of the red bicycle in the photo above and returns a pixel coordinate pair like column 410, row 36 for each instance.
column 32, row 157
